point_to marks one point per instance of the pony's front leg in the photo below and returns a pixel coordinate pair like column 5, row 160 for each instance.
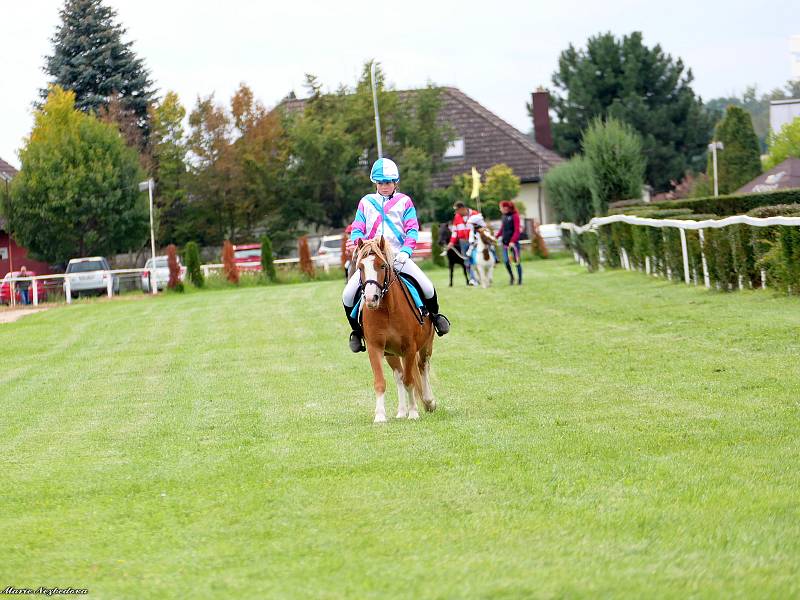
column 397, row 368
column 376, row 362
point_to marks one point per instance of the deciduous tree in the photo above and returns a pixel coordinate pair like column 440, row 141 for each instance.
column 77, row 192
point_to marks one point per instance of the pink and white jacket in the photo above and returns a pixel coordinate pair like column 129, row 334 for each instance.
column 395, row 219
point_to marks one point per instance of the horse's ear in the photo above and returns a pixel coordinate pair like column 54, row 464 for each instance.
column 382, row 244
column 360, row 243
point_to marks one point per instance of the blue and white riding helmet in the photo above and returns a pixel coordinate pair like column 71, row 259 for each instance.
column 384, row 170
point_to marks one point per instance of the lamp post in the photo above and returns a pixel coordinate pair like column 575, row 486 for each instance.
column 375, row 107
column 714, row 146
column 148, row 186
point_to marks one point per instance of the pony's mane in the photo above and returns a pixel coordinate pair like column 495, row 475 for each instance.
column 373, row 247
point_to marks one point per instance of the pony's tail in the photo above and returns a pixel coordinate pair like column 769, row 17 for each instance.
column 416, row 378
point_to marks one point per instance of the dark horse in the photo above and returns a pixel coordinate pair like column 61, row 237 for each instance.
column 453, row 255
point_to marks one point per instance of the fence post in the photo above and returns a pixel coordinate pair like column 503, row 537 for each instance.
column 35, row 292
column 647, row 264
column 67, row 290
column 110, row 284
column 763, row 279
column 685, row 253
column 706, row 278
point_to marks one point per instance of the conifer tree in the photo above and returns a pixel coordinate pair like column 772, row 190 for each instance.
column 91, row 59
column 740, row 160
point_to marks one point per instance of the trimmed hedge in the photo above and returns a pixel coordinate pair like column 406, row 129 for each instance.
column 733, row 204
column 723, row 206
column 736, row 256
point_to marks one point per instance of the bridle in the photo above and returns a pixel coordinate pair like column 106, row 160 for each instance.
column 391, row 276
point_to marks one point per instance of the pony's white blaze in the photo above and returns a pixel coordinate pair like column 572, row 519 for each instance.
column 371, row 290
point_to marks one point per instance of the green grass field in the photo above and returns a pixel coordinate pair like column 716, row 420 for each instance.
column 597, row 435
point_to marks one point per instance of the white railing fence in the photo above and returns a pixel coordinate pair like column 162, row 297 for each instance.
column 682, row 226
column 63, row 282
column 255, row 265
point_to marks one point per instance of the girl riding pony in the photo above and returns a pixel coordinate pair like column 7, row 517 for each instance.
column 390, row 214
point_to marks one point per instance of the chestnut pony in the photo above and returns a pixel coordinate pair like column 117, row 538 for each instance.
column 394, row 328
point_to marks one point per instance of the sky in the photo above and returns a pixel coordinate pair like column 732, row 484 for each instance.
column 497, row 52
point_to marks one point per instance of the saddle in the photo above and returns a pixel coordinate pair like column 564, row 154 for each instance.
column 357, row 313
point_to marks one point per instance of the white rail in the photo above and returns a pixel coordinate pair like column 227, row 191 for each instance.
column 34, row 289
column 682, row 225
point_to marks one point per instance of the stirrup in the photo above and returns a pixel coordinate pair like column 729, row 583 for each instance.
column 357, row 342
column 441, row 324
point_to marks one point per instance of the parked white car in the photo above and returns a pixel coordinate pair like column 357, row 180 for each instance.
column 330, row 251
column 160, row 273
column 90, row 275
column 551, row 233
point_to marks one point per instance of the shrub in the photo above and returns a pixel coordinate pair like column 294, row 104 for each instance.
column 229, row 263
column 191, row 255
column 174, row 268
column 614, row 152
column 538, row 245
column 436, row 248
column 567, row 186
column 306, row 264
column 267, row 260
column 738, row 204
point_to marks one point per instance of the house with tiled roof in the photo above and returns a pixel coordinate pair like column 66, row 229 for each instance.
column 783, row 176
column 13, row 256
column 482, row 140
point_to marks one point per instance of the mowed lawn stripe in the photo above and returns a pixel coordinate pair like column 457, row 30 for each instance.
column 596, row 434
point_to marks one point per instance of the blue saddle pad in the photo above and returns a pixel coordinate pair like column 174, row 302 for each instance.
column 414, row 293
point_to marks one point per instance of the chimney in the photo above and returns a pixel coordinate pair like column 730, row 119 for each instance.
column 541, row 118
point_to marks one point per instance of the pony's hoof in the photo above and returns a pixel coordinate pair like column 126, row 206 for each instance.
column 401, row 415
column 413, row 415
column 430, row 405
column 380, row 419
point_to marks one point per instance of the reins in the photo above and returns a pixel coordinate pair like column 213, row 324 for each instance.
column 393, row 276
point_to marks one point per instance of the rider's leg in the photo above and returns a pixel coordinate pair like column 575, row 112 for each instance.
column 349, row 301
column 518, row 260
column 440, row 322
column 463, row 246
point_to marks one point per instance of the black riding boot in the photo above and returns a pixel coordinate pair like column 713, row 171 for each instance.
column 519, row 274
column 510, row 273
column 440, row 322
column 357, row 335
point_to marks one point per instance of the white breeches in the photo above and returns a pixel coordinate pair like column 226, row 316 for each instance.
column 408, row 268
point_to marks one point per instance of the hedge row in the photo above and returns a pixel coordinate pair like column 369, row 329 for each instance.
column 736, row 256
column 724, row 206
